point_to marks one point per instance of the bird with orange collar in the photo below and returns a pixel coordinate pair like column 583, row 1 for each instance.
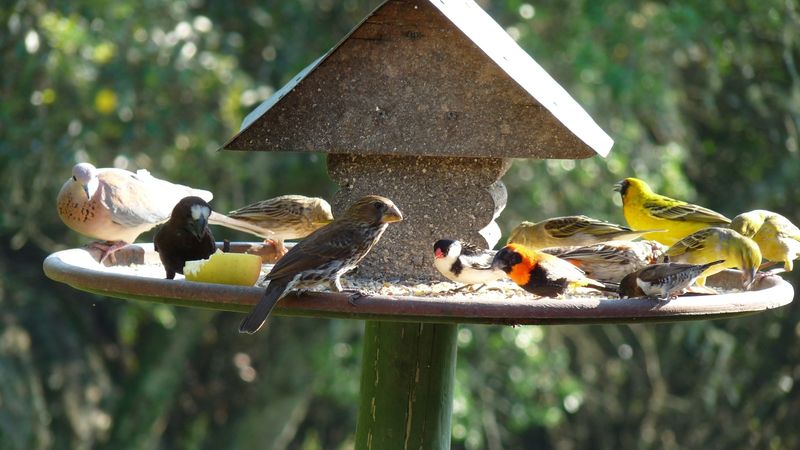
column 543, row 274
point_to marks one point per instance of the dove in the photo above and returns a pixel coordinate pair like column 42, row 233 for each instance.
column 115, row 206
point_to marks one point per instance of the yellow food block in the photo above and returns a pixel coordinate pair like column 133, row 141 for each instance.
column 225, row 268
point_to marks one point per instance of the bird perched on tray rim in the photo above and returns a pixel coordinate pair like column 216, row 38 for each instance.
column 185, row 236
column 326, row 254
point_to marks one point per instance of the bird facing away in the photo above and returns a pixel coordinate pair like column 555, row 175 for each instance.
column 185, row 236
column 663, row 281
column 776, row 236
column 610, row 261
column 326, row 254
column 287, row 216
column 713, row 244
column 542, row 274
column 116, row 205
column 570, row 231
column 464, row 263
column 644, row 209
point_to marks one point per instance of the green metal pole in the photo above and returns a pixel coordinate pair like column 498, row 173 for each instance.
column 407, row 376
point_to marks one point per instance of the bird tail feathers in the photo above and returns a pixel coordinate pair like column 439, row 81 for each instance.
column 240, row 225
column 603, row 286
column 258, row 315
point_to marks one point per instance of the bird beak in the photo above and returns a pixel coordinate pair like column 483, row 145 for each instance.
column 392, row 215
column 91, row 187
column 748, row 278
column 199, row 226
column 618, row 186
column 320, row 223
column 438, row 253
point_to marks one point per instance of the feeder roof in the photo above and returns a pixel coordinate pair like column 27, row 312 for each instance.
column 425, row 78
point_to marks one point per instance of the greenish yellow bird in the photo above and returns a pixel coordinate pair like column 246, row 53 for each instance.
column 644, row 209
column 714, row 243
column 570, row 231
column 776, row 236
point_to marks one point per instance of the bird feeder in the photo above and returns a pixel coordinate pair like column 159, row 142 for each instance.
column 426, row 103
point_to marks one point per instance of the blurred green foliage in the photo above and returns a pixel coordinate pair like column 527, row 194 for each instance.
column 701, row 97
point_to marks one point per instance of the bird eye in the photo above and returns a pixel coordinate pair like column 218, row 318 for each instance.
column 378, row 205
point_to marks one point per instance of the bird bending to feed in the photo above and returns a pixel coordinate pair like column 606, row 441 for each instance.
column 116, row 205
column 776, row 236
column 662, row 281
column 644, row 209
column 185, row 236
column 287, row 216
column 543, row 274
column 712, row 244
column 326, row 254
column 570, row 231
column 465, row 263
column 610, row 261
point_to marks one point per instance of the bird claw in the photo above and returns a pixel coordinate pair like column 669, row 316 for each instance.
column 355, row 296
column 107, row 249
column 468, row 287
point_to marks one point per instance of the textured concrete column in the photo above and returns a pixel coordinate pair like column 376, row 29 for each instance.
column 441, row 197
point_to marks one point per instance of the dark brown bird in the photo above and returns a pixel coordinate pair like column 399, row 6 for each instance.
column 325, row 255
column 185, row 236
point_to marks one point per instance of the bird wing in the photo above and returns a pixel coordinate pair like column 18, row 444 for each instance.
column 169, row 189
column 277, row 208
column 562, row 227
column 481, row 261
column 694, row 242
column 322, row 246
column 139, row 198
column 659, row 272
column 568, row 226
column 131, row 203
column 602, row 252
column 559, row 267
column 783, row 227
column 681, row 211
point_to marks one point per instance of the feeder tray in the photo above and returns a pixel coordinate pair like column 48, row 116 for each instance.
column 138, row 275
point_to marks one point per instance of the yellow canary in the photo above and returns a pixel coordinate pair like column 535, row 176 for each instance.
column 776, row 236
column 644, row 209
column 714, row 243
column 570, row 231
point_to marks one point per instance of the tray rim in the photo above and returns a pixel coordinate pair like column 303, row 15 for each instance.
column 74, row 267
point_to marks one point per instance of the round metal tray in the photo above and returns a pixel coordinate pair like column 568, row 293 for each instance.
column 80, row 269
